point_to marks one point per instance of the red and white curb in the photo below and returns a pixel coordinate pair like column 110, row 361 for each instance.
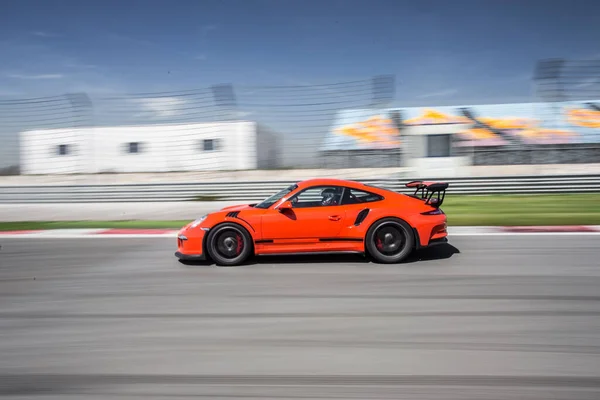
column 172, row 233
column 90, row 233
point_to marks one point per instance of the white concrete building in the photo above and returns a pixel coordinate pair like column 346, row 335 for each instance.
column 428, row 150
column 237, row 145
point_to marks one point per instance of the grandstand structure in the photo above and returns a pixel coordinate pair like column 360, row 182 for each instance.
column 561, row 126
column 493, row 131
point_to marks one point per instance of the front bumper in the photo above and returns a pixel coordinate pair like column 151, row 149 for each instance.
column 190, row 244
column 190, row 257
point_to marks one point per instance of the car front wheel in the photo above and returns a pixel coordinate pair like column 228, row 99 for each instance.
column 229, row 244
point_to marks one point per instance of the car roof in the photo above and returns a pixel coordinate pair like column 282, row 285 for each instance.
column 347, row 183
column 330, row 182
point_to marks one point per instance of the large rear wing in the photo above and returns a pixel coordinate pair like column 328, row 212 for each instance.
column 428, row 190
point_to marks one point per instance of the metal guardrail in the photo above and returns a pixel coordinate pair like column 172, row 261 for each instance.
column 256, row 191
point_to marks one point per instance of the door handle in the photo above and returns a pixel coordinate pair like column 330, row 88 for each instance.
column 334, row 217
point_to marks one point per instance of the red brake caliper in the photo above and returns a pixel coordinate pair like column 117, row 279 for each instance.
column 379, row 244
column 240, row 244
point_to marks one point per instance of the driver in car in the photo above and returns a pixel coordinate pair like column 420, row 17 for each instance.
column 330, row 197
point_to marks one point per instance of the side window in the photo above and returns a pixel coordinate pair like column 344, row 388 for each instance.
column 318, row 196
column 355, row 196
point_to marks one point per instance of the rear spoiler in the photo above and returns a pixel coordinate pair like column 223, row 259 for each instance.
column 428, row 190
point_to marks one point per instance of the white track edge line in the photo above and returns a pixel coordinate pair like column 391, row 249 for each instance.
column 524, row 234
column 103, row 236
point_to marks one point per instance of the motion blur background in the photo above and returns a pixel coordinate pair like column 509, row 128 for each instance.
column 155, row 86
column 123, row 120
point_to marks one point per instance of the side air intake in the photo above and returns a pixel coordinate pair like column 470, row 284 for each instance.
column 233, row 214
column 361, row 216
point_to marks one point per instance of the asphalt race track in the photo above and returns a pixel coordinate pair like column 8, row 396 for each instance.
column 487, row 317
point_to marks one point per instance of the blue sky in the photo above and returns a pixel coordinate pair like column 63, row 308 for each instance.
column 441, row 52
column 434, row 47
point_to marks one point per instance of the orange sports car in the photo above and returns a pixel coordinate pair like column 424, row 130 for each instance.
column 321, row 216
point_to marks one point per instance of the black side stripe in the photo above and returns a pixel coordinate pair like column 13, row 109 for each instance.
column 342, row 239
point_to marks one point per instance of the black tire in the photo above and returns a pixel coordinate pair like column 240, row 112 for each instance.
column 389, row 240
column 229, row 244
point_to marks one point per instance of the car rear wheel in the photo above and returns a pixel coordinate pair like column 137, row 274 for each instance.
column 389, row 240
column 229, row 244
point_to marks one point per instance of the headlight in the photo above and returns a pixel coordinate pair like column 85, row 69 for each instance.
column 198, row 221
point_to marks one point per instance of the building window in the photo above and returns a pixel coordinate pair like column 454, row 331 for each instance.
column 439, row 145
column 210, row 144
column 63, row 149
column 134, row 147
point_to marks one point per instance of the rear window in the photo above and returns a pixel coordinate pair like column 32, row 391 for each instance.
column 356, row 196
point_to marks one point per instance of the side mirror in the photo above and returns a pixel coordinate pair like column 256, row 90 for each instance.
column 286, row 205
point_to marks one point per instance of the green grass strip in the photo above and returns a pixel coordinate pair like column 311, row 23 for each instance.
column 494, row 210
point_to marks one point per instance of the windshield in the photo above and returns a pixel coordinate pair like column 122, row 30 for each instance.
column 276, row 197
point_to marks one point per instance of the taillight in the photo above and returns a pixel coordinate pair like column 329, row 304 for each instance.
column 437, row 211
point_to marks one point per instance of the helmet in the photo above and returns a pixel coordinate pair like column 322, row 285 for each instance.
column 328, row 197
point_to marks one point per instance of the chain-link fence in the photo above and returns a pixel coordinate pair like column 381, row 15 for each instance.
column 298, row 118
column 560, row 126
column 65, row 114
column 333, row 125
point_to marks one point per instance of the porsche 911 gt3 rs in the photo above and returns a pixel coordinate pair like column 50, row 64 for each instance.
column 321, row 216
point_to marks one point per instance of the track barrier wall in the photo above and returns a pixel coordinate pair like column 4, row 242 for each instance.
column 259, row 190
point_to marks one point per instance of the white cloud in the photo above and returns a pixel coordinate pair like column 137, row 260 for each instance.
column 161, row 107
column 80, row 66
column 441, row 93
column 7, row 93
column 44, row 34
column 588, row 82
column 40, row 76
column 131, row 40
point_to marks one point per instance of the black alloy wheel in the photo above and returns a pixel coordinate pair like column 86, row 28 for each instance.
column 229, row 244
column 389, row 240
